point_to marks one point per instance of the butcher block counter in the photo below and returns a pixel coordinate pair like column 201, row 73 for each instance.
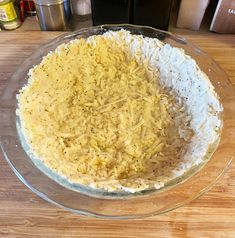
column 24, row 214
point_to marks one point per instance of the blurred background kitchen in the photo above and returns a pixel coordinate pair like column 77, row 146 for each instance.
column 68, row 15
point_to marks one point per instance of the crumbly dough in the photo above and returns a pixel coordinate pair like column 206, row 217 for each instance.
column 116, row 112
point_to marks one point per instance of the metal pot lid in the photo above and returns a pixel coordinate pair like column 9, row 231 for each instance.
column 49, row 2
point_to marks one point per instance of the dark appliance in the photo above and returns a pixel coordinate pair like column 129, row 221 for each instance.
column 154, row 13
column 110, row 11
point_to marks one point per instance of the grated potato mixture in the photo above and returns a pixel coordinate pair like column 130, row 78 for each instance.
column 97, row 117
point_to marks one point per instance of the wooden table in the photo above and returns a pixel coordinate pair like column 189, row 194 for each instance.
column 23, row 214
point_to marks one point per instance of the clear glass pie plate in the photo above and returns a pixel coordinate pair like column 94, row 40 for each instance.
column 82, row 200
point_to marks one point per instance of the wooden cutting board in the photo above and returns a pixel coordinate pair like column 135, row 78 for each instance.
column 23, row 214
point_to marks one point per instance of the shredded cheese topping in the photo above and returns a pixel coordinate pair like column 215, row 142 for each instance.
column 98, row 117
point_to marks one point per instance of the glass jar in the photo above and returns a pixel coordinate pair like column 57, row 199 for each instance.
column 8, row 16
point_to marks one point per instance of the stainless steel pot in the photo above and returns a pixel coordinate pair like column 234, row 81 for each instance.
column 53, row 15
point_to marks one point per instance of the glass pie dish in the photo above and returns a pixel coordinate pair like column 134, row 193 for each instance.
column 82, row 200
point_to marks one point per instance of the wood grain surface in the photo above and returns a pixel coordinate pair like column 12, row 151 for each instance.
column 23, row 214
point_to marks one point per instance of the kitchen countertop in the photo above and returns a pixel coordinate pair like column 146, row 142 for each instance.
column 23, row 214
